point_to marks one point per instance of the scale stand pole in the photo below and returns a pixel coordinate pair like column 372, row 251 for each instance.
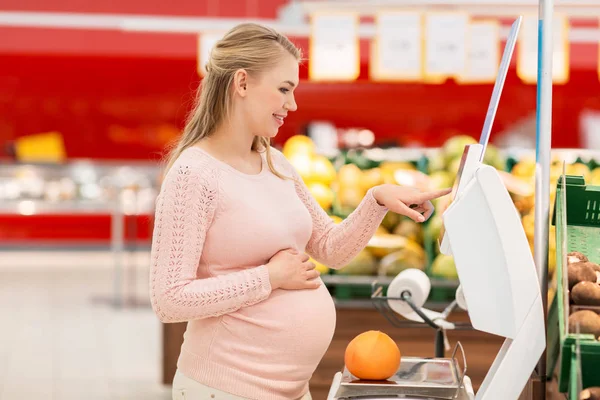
column 440, row 350
column 542, row 171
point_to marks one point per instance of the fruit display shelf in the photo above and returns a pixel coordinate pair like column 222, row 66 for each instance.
column 577, row 299
column 339, row 180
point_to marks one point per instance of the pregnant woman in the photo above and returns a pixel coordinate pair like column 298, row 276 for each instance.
column 235, row 226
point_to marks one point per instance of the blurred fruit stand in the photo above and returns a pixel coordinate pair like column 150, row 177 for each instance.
column 339, row 181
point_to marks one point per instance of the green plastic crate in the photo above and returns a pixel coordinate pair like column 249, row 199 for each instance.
column 583, row 235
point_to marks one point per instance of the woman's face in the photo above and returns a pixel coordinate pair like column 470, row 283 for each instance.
column 270, row 96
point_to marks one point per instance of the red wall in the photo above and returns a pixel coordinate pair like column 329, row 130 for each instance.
column 211, row 8
column 124, row 95
column 130, row 107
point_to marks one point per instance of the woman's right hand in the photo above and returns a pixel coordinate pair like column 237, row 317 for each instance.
column 290, row 269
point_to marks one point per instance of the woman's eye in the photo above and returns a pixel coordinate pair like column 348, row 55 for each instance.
column 284, row 90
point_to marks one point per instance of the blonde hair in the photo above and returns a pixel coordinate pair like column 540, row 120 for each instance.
column 247, row 46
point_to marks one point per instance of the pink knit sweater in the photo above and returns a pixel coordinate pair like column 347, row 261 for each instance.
column 215, row 230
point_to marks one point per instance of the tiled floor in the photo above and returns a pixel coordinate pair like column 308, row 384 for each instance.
column 58, row 342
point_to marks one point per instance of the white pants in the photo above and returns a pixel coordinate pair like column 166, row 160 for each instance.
column 185, row 388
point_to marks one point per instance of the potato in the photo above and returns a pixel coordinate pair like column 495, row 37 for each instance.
column 589, row 322
column 594, row 266
column 581, row 272
column 575, row 257
column 586, row 294
column 591, row 393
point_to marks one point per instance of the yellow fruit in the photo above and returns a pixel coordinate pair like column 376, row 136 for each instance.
column 381, row 230
column 579, row 169
column 320, row 267
column 551, row 262
column 410, row 230
column 443, row 266
column 595, row 177
column 455, row 146
column 454, row 166
column 524, row 204
column 323, row 194
column 387, row 175
column 370, row 178
column 410, row 256
column 528, row 221
column 381, row 245
column 350, row 196
column 363, row 264
column 524, row 168
column 390, row 221
column 440, row 180
column 349, row 176
column 494, row 158
column 551, row 294
column 437, row 162
column 298, row 144
column 396, row 165
column 302, row 162
column 336, row 219
column 322, row 170
column 433, row 229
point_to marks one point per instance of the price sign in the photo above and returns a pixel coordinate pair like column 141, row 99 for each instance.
column 334, row 47
column 483, row 53
column 445, row 45
column 527, row 56
column 397, row 49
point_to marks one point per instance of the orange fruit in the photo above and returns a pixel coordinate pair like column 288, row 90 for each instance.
column 372, row 355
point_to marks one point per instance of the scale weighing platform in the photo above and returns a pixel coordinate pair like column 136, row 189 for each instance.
column 417, row 378
column 499, row 287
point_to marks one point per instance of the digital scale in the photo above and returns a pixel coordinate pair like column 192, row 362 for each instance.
column 499, row 287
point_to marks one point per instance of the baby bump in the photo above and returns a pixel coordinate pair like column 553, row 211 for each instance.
column 288, row 333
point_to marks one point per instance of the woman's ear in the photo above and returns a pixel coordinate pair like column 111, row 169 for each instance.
column 240, row 81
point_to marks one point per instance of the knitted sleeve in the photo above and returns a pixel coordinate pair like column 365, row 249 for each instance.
column 335, row 245
column 184, row 211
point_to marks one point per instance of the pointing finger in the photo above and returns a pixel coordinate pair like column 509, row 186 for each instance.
column 426, row 196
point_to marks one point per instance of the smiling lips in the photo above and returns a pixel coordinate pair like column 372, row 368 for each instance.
column 279, row 118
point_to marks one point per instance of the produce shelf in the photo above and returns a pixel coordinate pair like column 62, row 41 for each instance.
column 581, row 233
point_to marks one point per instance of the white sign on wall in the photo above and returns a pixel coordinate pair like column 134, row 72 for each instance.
column 334, row 52
column 445, row 44
column 397, row 49
column 527, row 50
column 483, row 52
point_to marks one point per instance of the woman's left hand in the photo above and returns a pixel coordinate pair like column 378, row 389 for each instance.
column 408, row 201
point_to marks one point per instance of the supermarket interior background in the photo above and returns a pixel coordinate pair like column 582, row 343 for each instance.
column 92, row 93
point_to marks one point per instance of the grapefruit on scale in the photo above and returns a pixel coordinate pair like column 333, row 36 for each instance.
column 372, row 355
